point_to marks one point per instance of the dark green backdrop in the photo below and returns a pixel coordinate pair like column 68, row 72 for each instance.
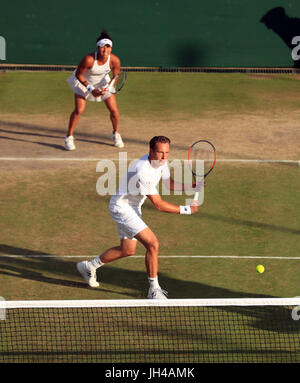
column 167, row 33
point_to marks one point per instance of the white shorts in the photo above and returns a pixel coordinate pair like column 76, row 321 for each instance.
column 78, row 88
column 128, row 221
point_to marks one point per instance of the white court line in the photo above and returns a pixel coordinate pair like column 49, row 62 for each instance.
column 131, row 159
column 143, row 256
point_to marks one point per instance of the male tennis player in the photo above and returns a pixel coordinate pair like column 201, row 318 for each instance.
column 140, row 182
column 88, row 82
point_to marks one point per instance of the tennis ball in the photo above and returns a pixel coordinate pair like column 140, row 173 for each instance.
column 260, row 269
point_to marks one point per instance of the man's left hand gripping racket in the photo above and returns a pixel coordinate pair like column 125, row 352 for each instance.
column 205, row 151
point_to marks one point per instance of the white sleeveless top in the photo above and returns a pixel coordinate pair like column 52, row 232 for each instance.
column 97, row 73
column 98, row 76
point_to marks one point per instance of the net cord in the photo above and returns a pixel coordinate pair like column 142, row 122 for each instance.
column 148, row 303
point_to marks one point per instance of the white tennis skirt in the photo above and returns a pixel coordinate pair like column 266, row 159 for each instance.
column 78, row 88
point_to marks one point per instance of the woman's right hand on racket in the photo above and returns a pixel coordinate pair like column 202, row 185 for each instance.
column 99, row 92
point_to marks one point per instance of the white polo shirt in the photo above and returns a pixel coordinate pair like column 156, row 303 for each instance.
column 141, row 179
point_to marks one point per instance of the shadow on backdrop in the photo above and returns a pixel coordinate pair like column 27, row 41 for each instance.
column 284, row 26
column 189, row 54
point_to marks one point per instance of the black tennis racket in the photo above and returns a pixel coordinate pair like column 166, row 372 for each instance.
column 116, row 83
column 204, row 151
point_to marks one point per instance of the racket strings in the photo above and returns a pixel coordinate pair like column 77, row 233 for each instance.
column 118, row 82
column 203, row 154
column 202, row 159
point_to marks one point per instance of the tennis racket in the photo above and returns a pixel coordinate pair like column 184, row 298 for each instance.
column 116, row 83
column 205, row 151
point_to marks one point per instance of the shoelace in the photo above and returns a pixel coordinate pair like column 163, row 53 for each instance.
column 91, row 273
column 160, row 291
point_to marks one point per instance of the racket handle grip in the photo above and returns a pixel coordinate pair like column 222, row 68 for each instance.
column 196, row 196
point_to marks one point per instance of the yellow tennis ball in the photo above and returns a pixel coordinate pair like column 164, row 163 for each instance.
column 260, row 269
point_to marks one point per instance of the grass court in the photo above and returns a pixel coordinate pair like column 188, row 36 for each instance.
column 52, row 217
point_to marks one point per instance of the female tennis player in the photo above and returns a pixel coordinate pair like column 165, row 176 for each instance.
column 88, row 82
column 140, row 182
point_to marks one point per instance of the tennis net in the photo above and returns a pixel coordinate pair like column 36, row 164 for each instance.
column 151, row 331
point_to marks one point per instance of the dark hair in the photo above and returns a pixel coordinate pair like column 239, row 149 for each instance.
column 161, row 139
column 104, row 35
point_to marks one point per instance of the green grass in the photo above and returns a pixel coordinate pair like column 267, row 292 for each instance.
column 193, row 94
column 252, row 216
column 249, row 210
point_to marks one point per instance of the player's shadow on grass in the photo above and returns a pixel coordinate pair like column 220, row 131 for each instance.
column 251, row 224
column 239, row 222
column 44, row 267
column 63, row 274
column 40, row 267
column 35, row 130
column 55, row 146
column 59, row 147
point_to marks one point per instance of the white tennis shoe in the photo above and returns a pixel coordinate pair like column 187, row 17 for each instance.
column 118, row 142
column 157, row 293
column 89, row 274
column 69, row 143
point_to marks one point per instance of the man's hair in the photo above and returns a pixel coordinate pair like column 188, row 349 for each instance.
column 104, row 35
column 161, row 139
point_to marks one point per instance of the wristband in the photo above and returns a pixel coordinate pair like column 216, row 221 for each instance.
column 90, row 88
column 185, row 210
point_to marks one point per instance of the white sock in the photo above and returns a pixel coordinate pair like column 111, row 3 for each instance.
column 154, row 283
column 96, row 262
